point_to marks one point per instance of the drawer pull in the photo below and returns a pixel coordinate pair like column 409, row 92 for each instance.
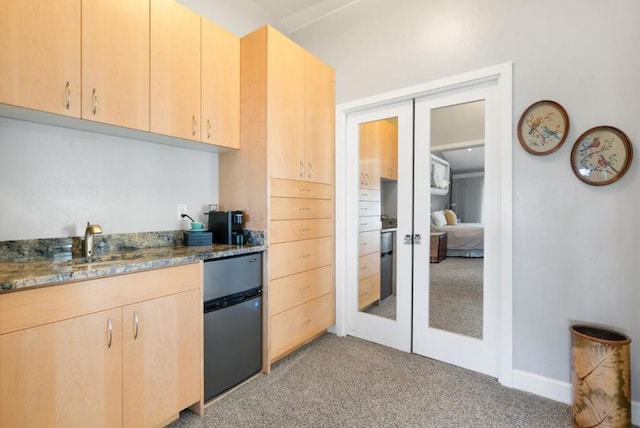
column 363, row 243
column 95, row 101
column 304, row 209
column 306, row 256
column 364, row 294
column 304, row 229
column 364, row 267
column 307, row 322
column 301, row 170
column 68, row 89
column 109, row 332
column 304, row 189
column 365, row 224
column 304, row 288
column 136, row 324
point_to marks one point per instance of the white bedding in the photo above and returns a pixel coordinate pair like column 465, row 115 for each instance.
column 464, row 236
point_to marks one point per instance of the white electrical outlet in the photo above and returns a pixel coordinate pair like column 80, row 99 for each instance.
column 182, row 209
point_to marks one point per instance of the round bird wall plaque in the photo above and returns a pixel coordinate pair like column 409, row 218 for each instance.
column 543, row 127
column 601, row 155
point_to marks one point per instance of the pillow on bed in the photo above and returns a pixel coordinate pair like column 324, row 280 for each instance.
column 451, row 217
column 438, row 219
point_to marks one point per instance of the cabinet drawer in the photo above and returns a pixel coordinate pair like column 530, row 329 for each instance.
column 293, row 209
column 293, row 290
column 367, row 224
column 368, row 291
column 369, row 209
column 294, row 327
column 299, row 256
column 300, row 189
column 296, row 230
column 368, row 265
column 368, row 242
column 368, row 195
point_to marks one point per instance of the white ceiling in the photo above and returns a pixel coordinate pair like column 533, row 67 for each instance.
column 297, row 14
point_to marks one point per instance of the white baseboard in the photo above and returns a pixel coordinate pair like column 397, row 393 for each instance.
column 557, row 390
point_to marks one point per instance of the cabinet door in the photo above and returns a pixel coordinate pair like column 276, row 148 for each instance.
column 319, row 112
column 115, row 62
column 286, row 108
column 40, row 55
column 175, row 70
column 161, row 358
column 389, row 150
column 64, row 374
column 370, row 155
column 220, row 86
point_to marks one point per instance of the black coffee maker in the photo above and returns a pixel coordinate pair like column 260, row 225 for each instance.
column 226, row 227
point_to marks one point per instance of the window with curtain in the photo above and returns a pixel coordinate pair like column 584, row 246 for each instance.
column 467, row 196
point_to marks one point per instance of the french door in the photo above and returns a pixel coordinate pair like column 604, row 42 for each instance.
column 455, row 300
column 374, row 189
column 410, row 325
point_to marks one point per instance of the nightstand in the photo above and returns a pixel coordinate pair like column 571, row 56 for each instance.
column 438, row 247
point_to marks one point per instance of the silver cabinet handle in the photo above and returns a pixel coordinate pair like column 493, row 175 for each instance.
column 208, row 128
column 195, row 124
column 367, row 179
column 95, row 101
column 68, row 89
column 136, row 323
column 310, row 169
column 109, row 332
column 301, row 169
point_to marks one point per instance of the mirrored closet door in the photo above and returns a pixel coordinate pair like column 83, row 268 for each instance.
column 379, row 266
column 455, row 208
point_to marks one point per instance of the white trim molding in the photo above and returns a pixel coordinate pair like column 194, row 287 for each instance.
column 557, row 390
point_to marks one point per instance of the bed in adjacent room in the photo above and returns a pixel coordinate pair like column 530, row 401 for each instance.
column 463, row 239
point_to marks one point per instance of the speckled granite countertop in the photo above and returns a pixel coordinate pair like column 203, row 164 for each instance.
column 16, row 275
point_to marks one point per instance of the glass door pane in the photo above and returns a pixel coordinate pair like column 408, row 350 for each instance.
column 380, row 192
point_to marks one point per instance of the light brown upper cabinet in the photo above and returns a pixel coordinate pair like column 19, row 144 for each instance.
column 319, row 114
column 115, row 62
column 175, row 70
column 220, row 86
column 370, row 155
column 389, row 149
column 40, row 55
column 301, row 111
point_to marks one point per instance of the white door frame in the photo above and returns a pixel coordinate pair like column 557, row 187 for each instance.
column 503, row 75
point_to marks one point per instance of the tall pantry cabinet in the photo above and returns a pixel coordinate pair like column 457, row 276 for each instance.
column 283, row 176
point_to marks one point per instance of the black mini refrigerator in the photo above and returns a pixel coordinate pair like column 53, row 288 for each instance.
column 232, row 322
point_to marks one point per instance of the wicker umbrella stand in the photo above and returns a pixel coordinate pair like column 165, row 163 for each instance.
column 601, row 377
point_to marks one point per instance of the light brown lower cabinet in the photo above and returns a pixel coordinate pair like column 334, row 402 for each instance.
column 368, row 291
column 63, row 374
column 297, row 325
column 118, row 351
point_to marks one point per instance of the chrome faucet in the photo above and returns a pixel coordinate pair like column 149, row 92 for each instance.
column 92, row 229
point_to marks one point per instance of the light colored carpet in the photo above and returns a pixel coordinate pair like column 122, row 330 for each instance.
column 456, row 295
column 386, row 308
column 347, row 382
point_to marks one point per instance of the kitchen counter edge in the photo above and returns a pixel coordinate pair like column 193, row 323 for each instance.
column 16, row 276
